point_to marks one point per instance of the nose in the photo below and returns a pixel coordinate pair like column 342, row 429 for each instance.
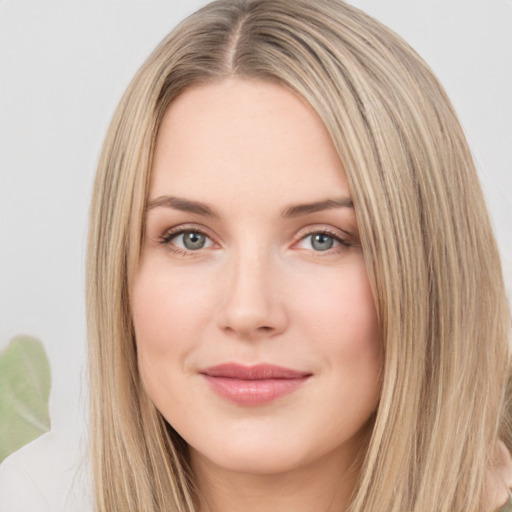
column 252, row 305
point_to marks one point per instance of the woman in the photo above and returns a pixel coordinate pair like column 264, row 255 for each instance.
column 295, row 299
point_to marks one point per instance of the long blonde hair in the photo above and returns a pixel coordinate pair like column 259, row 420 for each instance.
column 429, row 248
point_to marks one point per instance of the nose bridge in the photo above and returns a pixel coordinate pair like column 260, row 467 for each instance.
column 252, row 305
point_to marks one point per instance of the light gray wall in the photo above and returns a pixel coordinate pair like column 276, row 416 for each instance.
column 63, row 67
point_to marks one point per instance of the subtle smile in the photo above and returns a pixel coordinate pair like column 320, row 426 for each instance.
column 253, row 385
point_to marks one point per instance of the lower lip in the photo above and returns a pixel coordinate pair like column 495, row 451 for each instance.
column 253, row 392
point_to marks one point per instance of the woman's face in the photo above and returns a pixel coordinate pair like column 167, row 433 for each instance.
column 256, row 330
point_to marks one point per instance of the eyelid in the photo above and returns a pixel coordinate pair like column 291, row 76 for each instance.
column 169, row 234
column 344, row 238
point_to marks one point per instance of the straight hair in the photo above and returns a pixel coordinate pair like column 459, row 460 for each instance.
column 430, row 253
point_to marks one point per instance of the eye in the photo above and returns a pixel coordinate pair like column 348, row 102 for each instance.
column 321, row 241
column 187, row 240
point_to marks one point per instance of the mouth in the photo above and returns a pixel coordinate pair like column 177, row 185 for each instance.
column 253, row 385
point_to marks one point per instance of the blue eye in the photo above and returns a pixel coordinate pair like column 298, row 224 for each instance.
column 322, row 242
column 188, row 240
column 193, row 240
column 319, row 242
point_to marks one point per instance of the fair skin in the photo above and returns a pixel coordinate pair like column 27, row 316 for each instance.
column 239, row 268
column 499, row 479
column 226, row 277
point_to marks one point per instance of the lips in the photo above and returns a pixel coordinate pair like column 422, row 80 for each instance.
column 253, row 385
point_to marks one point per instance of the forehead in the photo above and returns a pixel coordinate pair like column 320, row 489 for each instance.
column 245, row 140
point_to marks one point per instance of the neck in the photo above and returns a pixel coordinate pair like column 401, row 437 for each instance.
column 322, row 486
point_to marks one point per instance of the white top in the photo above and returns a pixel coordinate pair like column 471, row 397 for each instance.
column 50, row 474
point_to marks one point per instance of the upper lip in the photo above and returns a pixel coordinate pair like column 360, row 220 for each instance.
column 254, row 372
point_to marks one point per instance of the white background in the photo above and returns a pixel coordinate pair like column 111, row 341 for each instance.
column 64, row 65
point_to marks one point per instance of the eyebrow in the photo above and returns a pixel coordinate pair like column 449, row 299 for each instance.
column 298, row 210
column 185, row 205
column 295, row 210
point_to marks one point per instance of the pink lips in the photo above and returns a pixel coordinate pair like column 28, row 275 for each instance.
column 253, row 385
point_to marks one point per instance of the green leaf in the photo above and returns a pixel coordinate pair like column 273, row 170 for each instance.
column 24, row 390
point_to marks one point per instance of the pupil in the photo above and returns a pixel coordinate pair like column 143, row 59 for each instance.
column 193, row 240
column 322, row 242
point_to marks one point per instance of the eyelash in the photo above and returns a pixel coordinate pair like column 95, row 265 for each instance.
column 167, row 238
column 343, row 243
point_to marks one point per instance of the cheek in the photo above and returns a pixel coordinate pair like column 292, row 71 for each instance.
column 167, row 308
column 340, row 309
column 339, row 317
column 169, row 311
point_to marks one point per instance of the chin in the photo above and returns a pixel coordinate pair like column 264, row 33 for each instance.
column 255, row 459
column 264, row 451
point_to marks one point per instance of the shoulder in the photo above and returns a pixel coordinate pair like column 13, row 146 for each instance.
column 18, row 492
column 500, row 479
column 48, row 475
